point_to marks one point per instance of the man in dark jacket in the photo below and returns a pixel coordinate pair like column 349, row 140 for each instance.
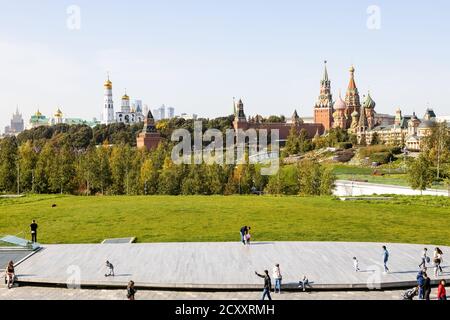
column 267, row 284
column 33, row 227
column 426, row 286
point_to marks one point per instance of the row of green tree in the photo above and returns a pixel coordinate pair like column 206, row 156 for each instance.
column 81, row 137
column 56, row 166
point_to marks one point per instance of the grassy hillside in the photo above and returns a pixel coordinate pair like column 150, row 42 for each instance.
column 218, row 218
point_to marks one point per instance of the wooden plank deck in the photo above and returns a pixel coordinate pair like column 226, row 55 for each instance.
column 216, row 266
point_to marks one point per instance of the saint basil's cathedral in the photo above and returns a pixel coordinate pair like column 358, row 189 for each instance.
column 350, row 114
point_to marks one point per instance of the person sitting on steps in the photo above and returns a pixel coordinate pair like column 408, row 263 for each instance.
column 304, row 283
column 10, row 274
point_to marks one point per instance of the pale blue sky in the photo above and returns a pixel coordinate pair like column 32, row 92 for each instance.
column 196, row 55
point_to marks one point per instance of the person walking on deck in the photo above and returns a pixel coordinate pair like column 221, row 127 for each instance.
column 356, row 264
column 385, row 259
column 267, row 284
column 424, row 258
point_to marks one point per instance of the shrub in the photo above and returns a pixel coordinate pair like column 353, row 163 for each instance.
column 396, row 150
column 381, row 157
column 345, row 145
column 368, row 151
column 344, row 156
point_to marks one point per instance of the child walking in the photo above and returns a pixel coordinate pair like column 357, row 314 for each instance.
column 110, row 269
column 356, row 264
column 248, row 236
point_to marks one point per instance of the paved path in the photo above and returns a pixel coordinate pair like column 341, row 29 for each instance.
column 38, row 293
column 353, row 188
column 225, row 265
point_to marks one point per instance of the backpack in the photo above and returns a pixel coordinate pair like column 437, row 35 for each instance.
column 428, row 259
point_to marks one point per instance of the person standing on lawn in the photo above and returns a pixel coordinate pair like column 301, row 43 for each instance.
column 33, row 228
column 244, row 231
column 248, row 236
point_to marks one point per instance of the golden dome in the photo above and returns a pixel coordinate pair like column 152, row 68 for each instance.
column 125, row 97
column 352, row 69
column 108, row 84
column 58, row 113
column 38, row 113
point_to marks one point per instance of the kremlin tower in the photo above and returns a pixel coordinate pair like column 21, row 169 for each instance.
column 323, row 110
column 240, row 121
column 149, row 137
column 108, row 106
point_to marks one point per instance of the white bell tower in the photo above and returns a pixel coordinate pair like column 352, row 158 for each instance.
column 108, row 105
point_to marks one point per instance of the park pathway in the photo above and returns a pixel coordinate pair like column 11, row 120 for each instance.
column 354, row 188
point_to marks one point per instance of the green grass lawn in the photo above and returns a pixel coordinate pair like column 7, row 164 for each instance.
column 347, row 172
column 391, row 175
column 219, row 218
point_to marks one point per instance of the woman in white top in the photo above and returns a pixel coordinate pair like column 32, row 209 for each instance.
column 276, row 274
column 437, row 260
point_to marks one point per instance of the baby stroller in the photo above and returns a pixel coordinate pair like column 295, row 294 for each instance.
column 410, row 294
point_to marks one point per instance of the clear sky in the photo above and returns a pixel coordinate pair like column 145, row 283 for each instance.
column 197, row 55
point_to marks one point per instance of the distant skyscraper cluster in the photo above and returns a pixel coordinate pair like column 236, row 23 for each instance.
column 164, row 112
